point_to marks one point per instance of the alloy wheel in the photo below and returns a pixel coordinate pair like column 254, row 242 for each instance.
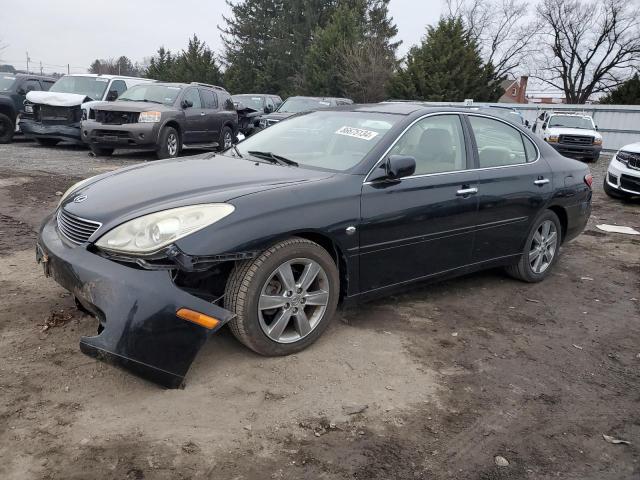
column 543, row 247
column 293, row 300
column 172, row 144
column 228, row 140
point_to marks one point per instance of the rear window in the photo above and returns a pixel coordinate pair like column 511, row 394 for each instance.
column 6, row 82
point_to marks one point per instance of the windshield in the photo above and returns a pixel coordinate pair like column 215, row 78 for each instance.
column 297, row 105
column 571, row 121
column 257, row 103
column 328, row 140
column 6, row 81
column 92, row 87
column 166, row 94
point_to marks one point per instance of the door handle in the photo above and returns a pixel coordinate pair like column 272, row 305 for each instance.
column 541, row 181
column 467, row 191
column 202, row 114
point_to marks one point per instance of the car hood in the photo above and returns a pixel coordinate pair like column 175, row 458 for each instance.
column 127, row 106
column 56, row 99
column 134, row 191
column 572, row 131
column 632, row 147
column 278, row 115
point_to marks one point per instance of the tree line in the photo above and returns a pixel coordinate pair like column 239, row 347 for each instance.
column 348, row 48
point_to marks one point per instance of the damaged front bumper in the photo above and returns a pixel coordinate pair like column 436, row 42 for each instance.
column 136, row 308
column 63, row 132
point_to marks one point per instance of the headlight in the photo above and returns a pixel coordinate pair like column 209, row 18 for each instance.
column 597, row 141
column 28, row 108
column 149, row 117
column 552, row 139
column 73, row 188
column 149, row 233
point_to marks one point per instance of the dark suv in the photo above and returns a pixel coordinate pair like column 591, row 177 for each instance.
column 294, row 105
column 164, row 117
column 13, row 90
column 253, row 106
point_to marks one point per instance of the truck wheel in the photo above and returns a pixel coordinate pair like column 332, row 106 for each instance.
column 7, row 129
column 48, row 142
column 226, row 139
column 169, row 146
column 101, row 152
column 541, row 250
column 285, row 298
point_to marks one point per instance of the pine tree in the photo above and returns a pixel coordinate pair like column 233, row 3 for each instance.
column 447, row 66
column 627, row 93
column 161, row 66
column 196, row 64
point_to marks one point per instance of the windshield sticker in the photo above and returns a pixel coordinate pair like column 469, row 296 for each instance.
column 257, row 99
column 357, row 133
column 104, row 80
column 325, row 103
column 173, row 88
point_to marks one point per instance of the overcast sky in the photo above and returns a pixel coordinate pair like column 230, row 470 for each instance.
column 76, row 32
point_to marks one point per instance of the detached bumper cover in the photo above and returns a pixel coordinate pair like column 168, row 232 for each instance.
column 136, row 308
column 33, row 129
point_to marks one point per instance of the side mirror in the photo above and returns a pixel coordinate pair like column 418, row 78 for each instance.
column 527, row 124
column 112, row 95
column 596, row 128
column 268, row 109
column 394, row 168
column 187, row 104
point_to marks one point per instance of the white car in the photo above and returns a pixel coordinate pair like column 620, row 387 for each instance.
column 54, row 116
column 623, row 174
column 572, row 135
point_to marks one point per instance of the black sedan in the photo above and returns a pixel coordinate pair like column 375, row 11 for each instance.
column 332, row 206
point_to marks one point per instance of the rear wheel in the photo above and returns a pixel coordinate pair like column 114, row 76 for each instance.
column 7, row 129
column 48, row 142
column 285, row 298
column 169, row 143
column 102, row 152
column 541, row 250
column 226, row 139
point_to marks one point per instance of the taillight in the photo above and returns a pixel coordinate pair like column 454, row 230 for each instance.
column 588, row 179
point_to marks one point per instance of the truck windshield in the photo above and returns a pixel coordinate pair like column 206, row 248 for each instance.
column 571, row 121
column 92, row 87
column 297, row 105
column 250, row 101
column 6, row 81
column 166, row 94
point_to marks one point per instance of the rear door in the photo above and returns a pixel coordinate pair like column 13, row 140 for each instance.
column 424, row 224
column 195, row 118
column 514, row 183
column 213, row 122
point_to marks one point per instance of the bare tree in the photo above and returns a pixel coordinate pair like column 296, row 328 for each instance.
column 366, row 69
column 595, row 45
column 503, row 30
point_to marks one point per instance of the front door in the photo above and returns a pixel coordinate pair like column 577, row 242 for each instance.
column 424, row 224
column 513, row 185
column 195, row 119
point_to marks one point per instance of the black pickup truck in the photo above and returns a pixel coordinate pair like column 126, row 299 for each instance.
column 164, row 117
column 13, row 90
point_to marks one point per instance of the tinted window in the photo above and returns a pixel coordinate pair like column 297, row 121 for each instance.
column 194, row 97
column 166, row 94
column 532, row 152
column 31, row 84
column 118, row 86
column 270, row 105
column 225, row 100
column 298, row 104
column 46, row 84
column 437, row 144
column 277, row 101
column 209, row 99
column 6, row 82
column 498, row 143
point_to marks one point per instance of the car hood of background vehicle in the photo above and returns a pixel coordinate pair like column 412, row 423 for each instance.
column 632, row 147
column 141, row 189
column 127, row 106
column 56, row 99
column 278, row 115
column 572, row 131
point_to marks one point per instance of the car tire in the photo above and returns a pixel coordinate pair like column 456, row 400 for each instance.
column 534, row 264
column 255, row 281
column 102, row 152
column 612, row 192
column 226, row 139
column 48, row 142
column 169, row 146
column 7, row 129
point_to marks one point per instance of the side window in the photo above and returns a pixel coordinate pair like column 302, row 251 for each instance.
column 30, row 85
column 270, row 107
column 277, row 101
column 209, row 99
column 117, row 88
column 194, row 97
column 498, row 143
column 225, row 100
column 46, row 84
column 530, row 149
column 437, row 144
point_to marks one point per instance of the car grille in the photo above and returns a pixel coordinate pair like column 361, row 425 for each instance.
column 58, row 115
column 631, row 159
column 576, row 140
column 75, row 229
column 107, row 117
column 630, row 183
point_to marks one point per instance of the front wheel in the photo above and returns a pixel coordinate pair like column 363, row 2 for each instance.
column 226, row 139
column 169, row 146
column 285, row 298
column 7, row 129
column 541, row 250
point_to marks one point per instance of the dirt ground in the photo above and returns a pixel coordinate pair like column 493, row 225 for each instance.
column 452, row 375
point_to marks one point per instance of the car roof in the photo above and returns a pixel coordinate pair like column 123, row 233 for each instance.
column 193, row 84
column 96, row 75
column 320, row 98
column 255, row 95
column 31, row 75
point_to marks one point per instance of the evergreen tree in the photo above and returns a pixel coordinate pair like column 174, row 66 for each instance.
column 447, row 66
column 196, row 64
column 161, row 66
column 626, row 94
